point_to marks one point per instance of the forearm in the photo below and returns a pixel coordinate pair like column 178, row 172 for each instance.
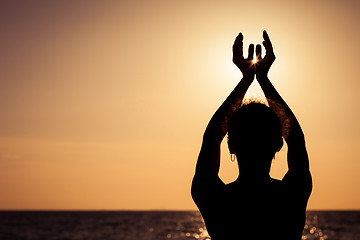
column 217, row 129
column 291, row 126
column 209, row 157
column 292, row 132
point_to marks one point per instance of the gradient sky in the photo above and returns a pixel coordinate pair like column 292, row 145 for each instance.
column 103, row 103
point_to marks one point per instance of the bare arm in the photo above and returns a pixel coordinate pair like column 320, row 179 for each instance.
column 209, row 158
column 292, row 132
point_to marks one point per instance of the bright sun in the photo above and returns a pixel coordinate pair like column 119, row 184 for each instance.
column 254, row 60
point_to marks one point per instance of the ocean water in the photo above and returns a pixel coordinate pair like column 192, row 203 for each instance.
column 150, row 225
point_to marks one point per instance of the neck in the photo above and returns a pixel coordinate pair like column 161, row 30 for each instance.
column 254, row 177
column 256, row 173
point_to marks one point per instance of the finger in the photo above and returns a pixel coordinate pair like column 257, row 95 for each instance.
column 238, row 47
column 258, row 51
column 251, row 52
column 267, row 43
column 240, row 36
column 266, row 36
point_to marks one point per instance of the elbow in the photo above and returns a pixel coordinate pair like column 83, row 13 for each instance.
column 194, row 189
column 311, row 185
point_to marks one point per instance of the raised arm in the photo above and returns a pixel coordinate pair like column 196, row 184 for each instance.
column 297, row 155
column 209, row 158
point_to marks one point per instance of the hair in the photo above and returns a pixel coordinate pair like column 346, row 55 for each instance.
column 255, row 127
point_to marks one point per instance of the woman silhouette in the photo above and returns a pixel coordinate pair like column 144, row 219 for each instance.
column 254, row 206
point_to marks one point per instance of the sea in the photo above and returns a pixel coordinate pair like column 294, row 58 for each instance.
column 150, row 225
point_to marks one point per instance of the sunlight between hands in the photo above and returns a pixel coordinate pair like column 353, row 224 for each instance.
column 249, row 66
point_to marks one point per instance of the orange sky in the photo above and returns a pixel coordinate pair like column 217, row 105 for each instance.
column 103, row 104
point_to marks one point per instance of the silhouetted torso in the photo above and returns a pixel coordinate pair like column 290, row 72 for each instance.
column 253, row 207
column 239, row 210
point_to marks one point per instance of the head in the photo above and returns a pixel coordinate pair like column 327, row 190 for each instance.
column 254, row 132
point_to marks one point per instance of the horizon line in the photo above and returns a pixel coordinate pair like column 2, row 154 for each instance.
column 143, row 210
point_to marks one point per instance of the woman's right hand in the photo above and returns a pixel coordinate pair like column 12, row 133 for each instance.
column 246, row 66
column 263, row 64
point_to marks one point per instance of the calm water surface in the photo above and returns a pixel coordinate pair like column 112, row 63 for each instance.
column 150, row 225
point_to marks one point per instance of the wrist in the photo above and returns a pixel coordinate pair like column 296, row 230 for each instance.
column 260, row 76
column 248, row 75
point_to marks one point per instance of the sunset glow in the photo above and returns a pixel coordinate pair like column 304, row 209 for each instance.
column 104, row 103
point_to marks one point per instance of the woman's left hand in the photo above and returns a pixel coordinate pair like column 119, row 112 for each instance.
column 246, row 66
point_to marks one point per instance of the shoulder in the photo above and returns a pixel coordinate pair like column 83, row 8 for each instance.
column 298, row 183
column 206, row 186
column 298, row 177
